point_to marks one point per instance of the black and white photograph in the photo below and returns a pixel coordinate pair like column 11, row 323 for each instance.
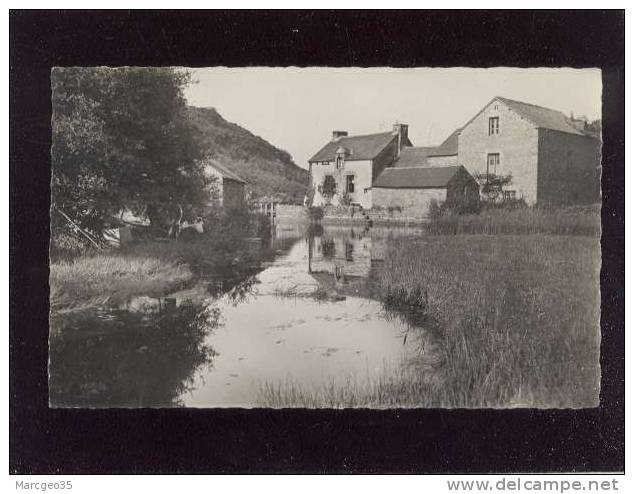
column 321, row 241
column 325, row 237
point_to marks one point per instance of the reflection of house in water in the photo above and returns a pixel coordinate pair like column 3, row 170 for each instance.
column 346, row 252
column 352, row 252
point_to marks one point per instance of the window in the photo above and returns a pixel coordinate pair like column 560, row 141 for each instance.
column 349, row 252
column 350, row 184
column 494, row 125
column 493, row 161
column 339, row 161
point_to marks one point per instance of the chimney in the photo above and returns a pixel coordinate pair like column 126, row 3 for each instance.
column 400, row 130
column 338, row 134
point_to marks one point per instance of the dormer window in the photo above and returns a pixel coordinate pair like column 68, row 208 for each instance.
column 340, row 156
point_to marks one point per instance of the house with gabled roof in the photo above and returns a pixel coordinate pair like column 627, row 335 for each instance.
column 552, row 158
column 230, row 188
column 352, row 163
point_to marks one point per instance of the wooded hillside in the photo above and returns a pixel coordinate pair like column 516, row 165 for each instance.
column 268, row 170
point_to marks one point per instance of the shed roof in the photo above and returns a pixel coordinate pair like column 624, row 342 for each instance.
column 364, row 147
column 416, row 177
column 225, row 172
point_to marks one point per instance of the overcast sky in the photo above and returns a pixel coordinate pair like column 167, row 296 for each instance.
column 297, row 109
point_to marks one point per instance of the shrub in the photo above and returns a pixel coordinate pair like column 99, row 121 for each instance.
column 329, row 187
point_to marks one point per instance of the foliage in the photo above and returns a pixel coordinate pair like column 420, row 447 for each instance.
column 329, row 187
column 121, row 139
column 346, row 200
column 492, row 185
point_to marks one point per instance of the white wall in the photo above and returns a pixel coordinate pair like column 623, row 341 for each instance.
column 362, row 171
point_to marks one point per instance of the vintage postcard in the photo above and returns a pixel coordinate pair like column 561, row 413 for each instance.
column 325, row 237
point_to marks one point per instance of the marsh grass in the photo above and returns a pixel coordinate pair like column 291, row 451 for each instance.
column 556, row 221
column 394, row 387
column 152, row 268
column 113, row 276
column 514, row 320
column 519, row 316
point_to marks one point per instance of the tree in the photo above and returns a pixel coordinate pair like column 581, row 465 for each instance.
column 122, row 140
column 492, row 185
column 329, row 187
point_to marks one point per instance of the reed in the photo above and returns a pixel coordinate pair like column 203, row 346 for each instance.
column 584, row 221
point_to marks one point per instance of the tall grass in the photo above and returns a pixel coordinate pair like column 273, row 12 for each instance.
column 519, row 316
column 563, row 221
column 514, row 322
column 113, row 276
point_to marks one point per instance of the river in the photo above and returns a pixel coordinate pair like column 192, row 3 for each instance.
column 304, row 323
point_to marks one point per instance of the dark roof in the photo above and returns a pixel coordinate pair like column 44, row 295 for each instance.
column 543, row 118
column 416, row 177
column 364, row 147
column 225, row 172
column 413, row 156
column 417, row 156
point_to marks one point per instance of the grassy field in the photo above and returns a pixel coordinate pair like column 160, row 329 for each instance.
column 515, row 320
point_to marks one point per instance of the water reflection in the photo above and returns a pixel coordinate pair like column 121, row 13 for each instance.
column 215, row 343
column 129, row 358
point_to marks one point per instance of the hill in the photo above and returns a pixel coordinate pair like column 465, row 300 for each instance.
column 269, row 171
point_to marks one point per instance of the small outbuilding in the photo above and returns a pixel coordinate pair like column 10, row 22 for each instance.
column 230, row 187
column 411, row 189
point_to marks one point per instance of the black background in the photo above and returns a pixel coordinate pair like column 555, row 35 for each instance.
column 264, row 441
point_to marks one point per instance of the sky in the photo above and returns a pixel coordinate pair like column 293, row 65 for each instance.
column 296, row 109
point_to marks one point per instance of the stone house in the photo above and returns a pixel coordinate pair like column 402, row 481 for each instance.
column 551, row 158
column 354, row 162
column 412, row 189
column 230, row 188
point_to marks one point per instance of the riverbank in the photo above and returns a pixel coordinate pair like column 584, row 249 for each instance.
column 152, row 268
column 514, row 321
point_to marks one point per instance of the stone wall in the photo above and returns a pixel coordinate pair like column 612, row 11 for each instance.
column 291, row 213
column 516, row 142
column 414, row 203
column 347, row 215
column 569, row 168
